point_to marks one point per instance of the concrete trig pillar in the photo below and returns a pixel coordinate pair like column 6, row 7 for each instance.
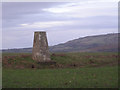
column 40, row 50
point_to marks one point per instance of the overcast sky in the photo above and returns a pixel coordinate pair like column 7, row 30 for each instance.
column 63, row 21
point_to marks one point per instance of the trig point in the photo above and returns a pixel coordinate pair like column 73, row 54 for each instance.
column 40, row 50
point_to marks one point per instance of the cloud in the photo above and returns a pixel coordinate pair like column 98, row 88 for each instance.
column 85, row 9
column 47, row 24
column 62, row 21
column 14, row 10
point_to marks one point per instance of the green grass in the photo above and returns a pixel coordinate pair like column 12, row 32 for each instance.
column 85, row 58
column 104, row 77
column 99, row 70
column 15, row 54
column 0, row 77
column 81, row 59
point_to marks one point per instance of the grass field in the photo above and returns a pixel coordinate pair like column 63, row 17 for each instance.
column 72, row 70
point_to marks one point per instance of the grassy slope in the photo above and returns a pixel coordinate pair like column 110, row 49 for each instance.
column 104, row 74
column 99, row 43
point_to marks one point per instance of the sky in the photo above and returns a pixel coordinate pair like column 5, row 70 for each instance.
column 62, row 21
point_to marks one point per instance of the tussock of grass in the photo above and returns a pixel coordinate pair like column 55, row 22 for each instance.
column 63, row 60
column 86, row 59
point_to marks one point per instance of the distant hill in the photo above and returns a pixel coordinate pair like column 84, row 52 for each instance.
column 98, row 43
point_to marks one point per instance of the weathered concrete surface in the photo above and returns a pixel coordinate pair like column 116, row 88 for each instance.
column 40, row 50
